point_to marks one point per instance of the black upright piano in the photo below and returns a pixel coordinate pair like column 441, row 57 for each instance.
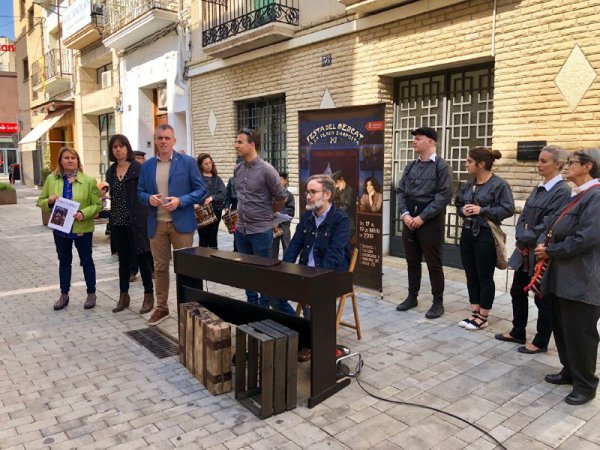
column 318, row 288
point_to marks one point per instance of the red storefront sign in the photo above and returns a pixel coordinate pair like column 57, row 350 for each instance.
column 8, row 127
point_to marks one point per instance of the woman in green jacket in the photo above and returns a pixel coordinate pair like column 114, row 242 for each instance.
column 69, row 181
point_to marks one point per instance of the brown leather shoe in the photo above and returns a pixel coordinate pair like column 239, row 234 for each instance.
column 148, row 303
column 157, row 317
column 62, row 301
column 90, row 301
column 123, row 302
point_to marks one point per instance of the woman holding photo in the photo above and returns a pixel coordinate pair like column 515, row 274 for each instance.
column 68, row 181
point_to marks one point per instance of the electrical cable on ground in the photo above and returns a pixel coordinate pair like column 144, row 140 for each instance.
column 417, row 405
column 356, row 376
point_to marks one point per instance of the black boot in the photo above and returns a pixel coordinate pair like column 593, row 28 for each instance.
column 436, row 310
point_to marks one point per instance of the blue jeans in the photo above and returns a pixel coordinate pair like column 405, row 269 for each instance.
column 282, row 306
column 258, row 244
column 64, row 249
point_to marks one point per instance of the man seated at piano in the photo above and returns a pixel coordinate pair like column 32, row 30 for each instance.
column 322, row 238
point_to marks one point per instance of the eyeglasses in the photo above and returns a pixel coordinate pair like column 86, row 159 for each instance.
column 312, row 193
column 573, row 161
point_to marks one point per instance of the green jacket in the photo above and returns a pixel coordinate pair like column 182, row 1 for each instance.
column 85, row 191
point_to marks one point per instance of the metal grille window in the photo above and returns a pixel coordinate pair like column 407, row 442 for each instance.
column 459, row 106
column 268, row 117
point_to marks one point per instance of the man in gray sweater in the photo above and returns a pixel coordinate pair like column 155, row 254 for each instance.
column 423, row 194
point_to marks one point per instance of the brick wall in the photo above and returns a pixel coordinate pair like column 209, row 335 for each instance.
column 532, row 41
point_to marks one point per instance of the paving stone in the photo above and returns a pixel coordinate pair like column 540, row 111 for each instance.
column 361, row 437
column 425, row 434
column 553, row 428
column 73, row 378
column 275, row 442
column 328, row 444
column 472, row 407
column 520, row 441
column 576, row 442
column 590, row 430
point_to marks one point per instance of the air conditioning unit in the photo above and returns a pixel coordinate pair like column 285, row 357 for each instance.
column 106, row 80
column 161, row 99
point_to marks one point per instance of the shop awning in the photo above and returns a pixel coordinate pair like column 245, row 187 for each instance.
column 41, row 129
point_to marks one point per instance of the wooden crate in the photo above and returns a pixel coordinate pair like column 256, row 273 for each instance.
column 266, row 377
column 183, row 309
column 205, row 347
column 212, row 352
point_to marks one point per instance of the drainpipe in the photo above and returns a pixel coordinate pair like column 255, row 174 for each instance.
column 59, row 37
column 494, row 30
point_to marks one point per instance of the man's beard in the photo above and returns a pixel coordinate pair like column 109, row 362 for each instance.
column 316, row 205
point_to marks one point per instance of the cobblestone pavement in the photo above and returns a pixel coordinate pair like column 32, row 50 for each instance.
column 72, row 379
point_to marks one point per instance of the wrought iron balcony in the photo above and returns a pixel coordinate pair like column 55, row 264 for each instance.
column 130, row 21
column 225, row 19
column 53, row 72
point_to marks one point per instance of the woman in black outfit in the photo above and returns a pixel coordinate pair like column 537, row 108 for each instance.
column 545, row 200
column 215, row 196
column 128, row 221
column 486, row 196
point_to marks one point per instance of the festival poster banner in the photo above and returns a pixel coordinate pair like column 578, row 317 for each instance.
column 347, row 144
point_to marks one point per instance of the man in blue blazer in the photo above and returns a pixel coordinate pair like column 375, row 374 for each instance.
column 170, row 184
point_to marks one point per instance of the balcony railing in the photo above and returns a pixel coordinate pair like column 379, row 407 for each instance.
column 56, row 64
column 119, row 13
column 223, row 19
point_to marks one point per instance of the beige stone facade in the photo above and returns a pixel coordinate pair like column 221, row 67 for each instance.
column 527, row 42
column 97, row 105
column 544, row 57
column 76, row 87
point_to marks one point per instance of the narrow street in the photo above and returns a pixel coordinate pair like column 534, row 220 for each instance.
column 73, row 379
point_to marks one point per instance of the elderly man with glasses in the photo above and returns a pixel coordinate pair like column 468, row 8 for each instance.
column 322, row 238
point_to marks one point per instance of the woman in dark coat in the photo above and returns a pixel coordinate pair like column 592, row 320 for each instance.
column 215, row 196
column 545, row 200
column 128, row 221
column 572, row 280
column 485, row 197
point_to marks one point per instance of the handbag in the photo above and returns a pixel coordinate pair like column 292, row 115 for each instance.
column 542, row 265
column 499, row 243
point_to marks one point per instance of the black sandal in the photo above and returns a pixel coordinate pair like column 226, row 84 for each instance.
column 475, row 325
column 463, row 323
